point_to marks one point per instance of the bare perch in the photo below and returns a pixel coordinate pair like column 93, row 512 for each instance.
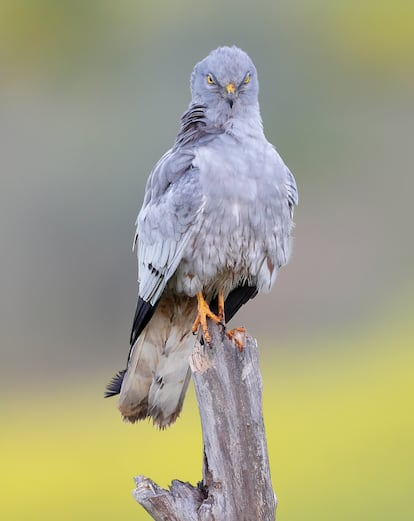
column 236, row 478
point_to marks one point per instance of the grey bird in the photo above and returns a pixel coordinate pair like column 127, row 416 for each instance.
column 213, row 231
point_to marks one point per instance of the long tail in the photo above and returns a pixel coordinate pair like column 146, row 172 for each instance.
column 157, row 376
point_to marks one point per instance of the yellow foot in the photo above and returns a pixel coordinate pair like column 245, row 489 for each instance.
column 238, row 336
column 205, row 312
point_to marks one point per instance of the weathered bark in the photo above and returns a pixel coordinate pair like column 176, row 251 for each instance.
column 236, row 478
column 180, row 503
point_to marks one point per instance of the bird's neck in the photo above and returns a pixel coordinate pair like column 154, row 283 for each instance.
column 237, row 117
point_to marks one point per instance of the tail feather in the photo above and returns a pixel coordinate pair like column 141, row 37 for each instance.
column 157, row 377
column 168, row 388
column 167, row 398
column 114, row 386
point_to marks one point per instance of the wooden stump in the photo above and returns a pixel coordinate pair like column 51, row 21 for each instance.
column 236, row 482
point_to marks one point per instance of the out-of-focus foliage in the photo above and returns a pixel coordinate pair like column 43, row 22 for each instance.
column 90, row 97
column 339, row 430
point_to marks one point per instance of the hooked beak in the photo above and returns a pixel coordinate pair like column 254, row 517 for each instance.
column 230, row 88
column 231, row 91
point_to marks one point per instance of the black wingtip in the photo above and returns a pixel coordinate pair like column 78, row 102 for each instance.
column 142, row 316
column 114, row 386
column 236, row 299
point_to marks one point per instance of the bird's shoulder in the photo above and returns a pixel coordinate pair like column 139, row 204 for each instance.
column 196, row 128
column 284, row 175
column 167, row 172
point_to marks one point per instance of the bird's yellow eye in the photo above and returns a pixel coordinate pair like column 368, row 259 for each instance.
column 210, row 79
column 247, row 79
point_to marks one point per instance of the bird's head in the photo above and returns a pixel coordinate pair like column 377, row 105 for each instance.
column 225, row 82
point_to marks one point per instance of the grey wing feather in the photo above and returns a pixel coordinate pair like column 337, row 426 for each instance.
column 292, row 191
column 167, row 221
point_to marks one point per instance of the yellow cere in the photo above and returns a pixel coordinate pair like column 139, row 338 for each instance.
column 230, row 88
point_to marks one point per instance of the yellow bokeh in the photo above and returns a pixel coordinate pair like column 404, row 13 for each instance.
column 340, row 432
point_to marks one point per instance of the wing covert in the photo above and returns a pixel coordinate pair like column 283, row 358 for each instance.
column 167, row 221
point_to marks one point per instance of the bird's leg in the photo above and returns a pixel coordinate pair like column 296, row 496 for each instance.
column 220, row 306
column 236, row 335
column 205, row 312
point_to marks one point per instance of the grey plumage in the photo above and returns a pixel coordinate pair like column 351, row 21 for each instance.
column 217, row 215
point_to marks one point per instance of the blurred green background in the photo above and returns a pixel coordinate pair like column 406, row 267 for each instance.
column 91, row 94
